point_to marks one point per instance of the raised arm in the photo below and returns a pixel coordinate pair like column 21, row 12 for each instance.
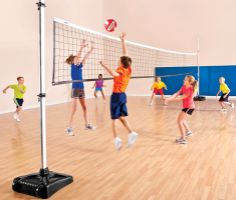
column 109, row 70
column 78, row 55
column 87, row 55
column 122, row 38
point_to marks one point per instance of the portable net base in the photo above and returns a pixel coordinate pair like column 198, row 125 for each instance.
column 42, row 185
column 199, row 98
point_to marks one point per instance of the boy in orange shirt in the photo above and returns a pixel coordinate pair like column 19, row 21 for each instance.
column 118, row 106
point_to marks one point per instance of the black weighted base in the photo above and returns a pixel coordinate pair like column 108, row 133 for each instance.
column 42, row 185
column 199, row 98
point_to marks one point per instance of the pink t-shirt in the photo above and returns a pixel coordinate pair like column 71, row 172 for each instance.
column 189, row 92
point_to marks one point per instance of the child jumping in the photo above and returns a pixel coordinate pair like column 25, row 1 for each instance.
column 19, row 91
column 118, row 106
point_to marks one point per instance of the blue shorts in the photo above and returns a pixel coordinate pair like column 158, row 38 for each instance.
column 118, row 106
column 18, row 102
column 98, row 89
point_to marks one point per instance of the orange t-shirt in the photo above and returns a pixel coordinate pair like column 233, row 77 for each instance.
column 121, row 82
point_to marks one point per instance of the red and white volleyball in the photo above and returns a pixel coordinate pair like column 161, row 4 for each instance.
column 110, row 25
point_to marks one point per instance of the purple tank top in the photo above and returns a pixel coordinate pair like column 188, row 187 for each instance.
column 99, row 83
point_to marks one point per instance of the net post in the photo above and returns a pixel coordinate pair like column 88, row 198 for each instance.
column 44, row 183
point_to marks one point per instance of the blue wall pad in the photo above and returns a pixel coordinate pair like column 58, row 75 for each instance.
column 209, row 75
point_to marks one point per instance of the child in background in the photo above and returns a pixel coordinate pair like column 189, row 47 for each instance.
column 225, row 94
column 118, row 106
column 98, row 85
column 157, row 88
column 19, row 91
column 188, row 91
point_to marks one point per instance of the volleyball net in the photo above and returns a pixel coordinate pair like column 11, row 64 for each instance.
column 67, row 39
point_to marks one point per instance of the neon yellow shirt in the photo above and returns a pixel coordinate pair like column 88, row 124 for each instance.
column 158, row 85
column 224, row 88
column 17, row 93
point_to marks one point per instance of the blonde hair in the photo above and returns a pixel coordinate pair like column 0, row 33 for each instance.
column 193, row 82
column 222, row 78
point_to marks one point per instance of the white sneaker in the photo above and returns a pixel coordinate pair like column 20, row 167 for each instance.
column 132, row 137
column 232, row 105
column 15, row 115
column 69, row 131
column 17, row 118
column 151, row 103
column 118, row 143
column 223, row 109
column 181, row 141
column 89, row 126
column 188, row 134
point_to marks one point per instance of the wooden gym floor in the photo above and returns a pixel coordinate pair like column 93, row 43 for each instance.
column 154, row 168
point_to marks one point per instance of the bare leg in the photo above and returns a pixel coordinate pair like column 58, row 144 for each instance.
column 73, row 110
column 126, row 124
column 152, row 97
column 83, row 105
column 18, row 110
column 103, row 95
column 95, row 94
column 163, row 97
column 186, row 126
column 222, row 104
column 114, row 128
column 181, row 118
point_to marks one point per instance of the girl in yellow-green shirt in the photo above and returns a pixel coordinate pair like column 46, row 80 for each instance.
column 225, row 94
column 19, row 91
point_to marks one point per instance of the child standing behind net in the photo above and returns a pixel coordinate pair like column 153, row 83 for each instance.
column 118, row 98
column 225, row 94
column 157, row 88
column 19, row 91
column 188, row 91
column 98, row 85
column 76, row 63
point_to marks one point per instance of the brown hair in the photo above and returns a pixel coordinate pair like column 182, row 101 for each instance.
column 70, row 59
column 192, row 81
column 125, row 61
column 19, row 77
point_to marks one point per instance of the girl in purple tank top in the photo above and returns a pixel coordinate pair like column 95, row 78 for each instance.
column 98, row 85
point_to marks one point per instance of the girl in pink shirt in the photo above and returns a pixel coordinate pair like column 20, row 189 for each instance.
column 188, row 91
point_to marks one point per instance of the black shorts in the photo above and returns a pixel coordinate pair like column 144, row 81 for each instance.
column 222, row 98
column 18, row 102
column 77, row 93
column 189, row 111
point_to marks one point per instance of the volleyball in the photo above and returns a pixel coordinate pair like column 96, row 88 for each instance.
column 110, row 25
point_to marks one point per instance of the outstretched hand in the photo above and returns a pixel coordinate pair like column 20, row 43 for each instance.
column 123, row 35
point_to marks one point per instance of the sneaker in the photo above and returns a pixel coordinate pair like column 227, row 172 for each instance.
column 181, row 141
column 69, row 131
column 118, row 143
column 90, row 127
column 188, row 134
column 232, row 105
column 17, row 118
column 15, row 115
column 132, row 137
column 151, row 103
column 223, row 109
